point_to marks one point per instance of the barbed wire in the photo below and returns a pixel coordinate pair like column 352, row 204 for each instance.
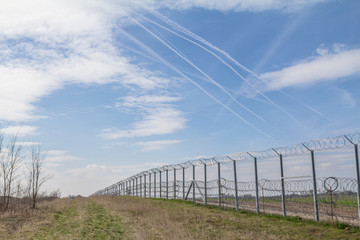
column 301, row 148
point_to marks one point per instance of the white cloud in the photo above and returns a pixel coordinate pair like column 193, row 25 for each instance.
column 56, row 152
column 156, row 145
column 62, row 158
column 29, row 143
column 45, row 45
column 111, row 145
column 159, row 118
column 322, row 50
column 242, row 5
column 146, row 101
column 58, row 156
column 157, row 121
column 323, row 68
column 21, row 131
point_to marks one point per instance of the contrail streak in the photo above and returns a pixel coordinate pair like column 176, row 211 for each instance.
column 150, row 51
column 193, row 35
column 305, row 105
column 197, row 68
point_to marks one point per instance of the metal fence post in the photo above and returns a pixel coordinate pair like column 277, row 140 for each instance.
column 129, row 191
column 174, row 183
column 356, row 151
column 126, row 187
column 205, row 184
column 357, row 176
column 149, row 185
column 137, row 186
column 133, row 186
column 133, row 180
column 193, row 197
column 154, row 184
column 144, row 185
column 140, row 186
column 160, row 190
column 316, row 206
column 256, row 184
column 236, row 186
column 283, row 199
column 183, row 173
column 167, row 183
column 219, row 184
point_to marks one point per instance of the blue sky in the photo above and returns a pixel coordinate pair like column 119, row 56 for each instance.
column 111, row 88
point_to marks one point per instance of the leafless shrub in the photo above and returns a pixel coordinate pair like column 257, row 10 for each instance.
column 10, row 161
column 36, row 177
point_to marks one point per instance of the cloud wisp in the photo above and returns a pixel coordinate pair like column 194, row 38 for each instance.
column 42, row 51
column 158, row 121
column 160, row 116
column 58, row 157
column 327, row 67
column 20, row 130
column 156, row 145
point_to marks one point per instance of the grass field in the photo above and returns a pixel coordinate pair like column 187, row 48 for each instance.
column 107, row 217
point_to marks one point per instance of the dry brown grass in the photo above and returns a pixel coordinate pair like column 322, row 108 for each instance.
column 161, row 219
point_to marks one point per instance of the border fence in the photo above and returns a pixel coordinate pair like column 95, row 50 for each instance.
column 277, row 181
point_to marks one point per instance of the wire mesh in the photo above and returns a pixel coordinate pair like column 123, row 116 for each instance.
column 336, row 196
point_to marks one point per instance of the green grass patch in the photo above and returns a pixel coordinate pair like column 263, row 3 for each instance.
column 100, row 224
column 91, row 221
column 295, row 219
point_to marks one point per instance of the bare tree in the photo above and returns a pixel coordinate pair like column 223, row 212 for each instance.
column 2, row 136
column 9, row 164
column 36, row 175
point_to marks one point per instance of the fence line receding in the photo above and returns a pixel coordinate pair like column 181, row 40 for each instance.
column 277, row 188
